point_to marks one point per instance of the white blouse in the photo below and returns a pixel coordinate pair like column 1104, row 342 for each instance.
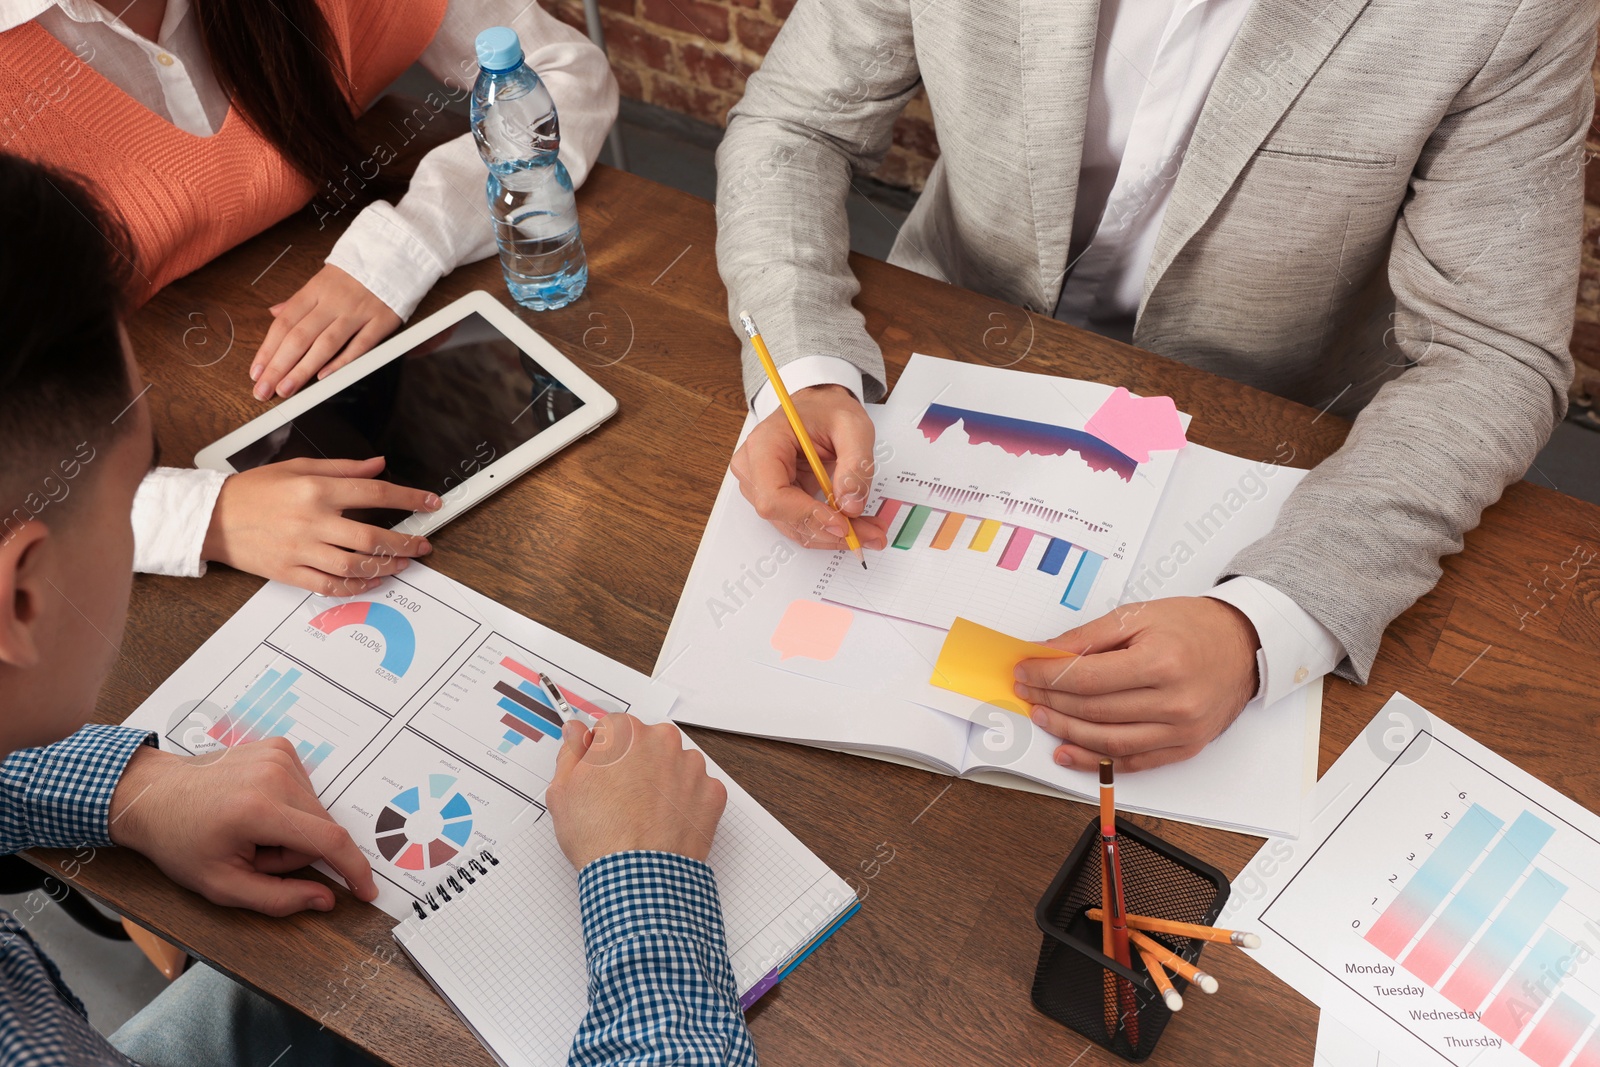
column 397, row 251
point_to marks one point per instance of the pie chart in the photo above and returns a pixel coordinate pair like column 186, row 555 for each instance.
column 421, row 829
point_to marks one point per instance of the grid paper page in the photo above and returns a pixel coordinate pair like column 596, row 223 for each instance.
column 509, row 956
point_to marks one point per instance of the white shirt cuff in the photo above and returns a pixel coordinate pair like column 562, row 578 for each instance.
column 171, row 513
column 803, row 373
column 381, row 251
column 1295, row 648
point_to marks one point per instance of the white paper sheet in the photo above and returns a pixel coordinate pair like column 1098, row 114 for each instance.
column 391, row 699
column 1442, row 904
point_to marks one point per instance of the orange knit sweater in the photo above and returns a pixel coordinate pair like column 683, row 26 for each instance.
column 185, row 199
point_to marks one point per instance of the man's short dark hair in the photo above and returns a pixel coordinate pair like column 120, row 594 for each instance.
column 63, row 380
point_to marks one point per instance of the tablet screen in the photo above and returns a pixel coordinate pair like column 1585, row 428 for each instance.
column 440, row 413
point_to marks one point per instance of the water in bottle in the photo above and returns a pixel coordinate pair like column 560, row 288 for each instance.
column 531, row 204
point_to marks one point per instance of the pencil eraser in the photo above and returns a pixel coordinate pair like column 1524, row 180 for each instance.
column 1249, row 941
column 1174, row 1000
column 1206, row 983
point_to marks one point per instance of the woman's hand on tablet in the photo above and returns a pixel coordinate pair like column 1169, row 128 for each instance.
column 285, row 521
column 330, row 321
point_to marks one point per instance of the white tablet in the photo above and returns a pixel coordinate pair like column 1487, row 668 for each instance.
column 460, row 404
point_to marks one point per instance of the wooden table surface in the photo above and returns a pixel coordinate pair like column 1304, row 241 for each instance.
column 936, row 968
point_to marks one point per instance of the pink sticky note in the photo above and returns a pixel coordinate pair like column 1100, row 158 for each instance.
column 812, row 629
column 1137, row 425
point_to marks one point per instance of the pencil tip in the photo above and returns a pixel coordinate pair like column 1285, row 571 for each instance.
column 863, row 564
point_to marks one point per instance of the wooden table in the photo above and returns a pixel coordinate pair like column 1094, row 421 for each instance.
column 936, row 968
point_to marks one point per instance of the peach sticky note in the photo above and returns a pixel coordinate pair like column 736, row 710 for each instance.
column 1137, row 425
column 978, row 662
column 812, row 629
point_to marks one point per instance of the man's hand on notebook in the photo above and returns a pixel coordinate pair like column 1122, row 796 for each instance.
column 626, row 786
column 1153, row 683
column 231, row 824
column 774, row 476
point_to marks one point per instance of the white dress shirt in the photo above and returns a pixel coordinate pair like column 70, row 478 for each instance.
column 1153, row 67
column 397, row 251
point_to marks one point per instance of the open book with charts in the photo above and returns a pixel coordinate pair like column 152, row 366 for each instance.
column 842, row 659
column 416, row 710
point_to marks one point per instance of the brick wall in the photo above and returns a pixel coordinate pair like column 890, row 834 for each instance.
column 692, row 56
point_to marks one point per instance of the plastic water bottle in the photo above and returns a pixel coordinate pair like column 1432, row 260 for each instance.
column 530, row 192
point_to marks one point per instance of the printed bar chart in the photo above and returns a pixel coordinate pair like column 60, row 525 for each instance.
column 1469, row 909
column 528, row 713
column 531, row 676
column 950, row 564
column 1400, row 922
column 1511, row 932
column 242, row 718
column 1495, row 866
column 263, row 711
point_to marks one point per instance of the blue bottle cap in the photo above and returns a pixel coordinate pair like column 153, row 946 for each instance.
column 499, row 50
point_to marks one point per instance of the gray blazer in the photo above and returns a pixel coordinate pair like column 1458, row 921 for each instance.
column 1380, row 213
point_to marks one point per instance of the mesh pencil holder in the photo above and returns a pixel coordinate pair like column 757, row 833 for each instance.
column 1160, row 881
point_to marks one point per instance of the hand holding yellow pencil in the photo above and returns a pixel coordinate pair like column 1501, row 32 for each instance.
column 806, row 445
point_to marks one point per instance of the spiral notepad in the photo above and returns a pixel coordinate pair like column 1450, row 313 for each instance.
column 505, row 948
column 455, row 883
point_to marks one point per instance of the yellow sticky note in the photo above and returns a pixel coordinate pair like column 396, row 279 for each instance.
column 978, row 662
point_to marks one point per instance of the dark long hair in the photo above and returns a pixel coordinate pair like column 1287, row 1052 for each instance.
column 279, row 62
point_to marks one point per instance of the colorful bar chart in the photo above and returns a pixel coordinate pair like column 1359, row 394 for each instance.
column 1465, row 887
column 529, row 712
column 1470, row 907
column 263, row 711
column 1434, row 879
column 1080, row 580
column 1508, row 935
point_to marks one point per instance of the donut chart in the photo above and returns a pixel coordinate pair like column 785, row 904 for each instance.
column 417, row 831
column 399, row 638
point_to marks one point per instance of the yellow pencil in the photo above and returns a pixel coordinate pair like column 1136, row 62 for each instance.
column 1190, row 930
column 1152, row 965
column 800, row 433
column 1175, row 963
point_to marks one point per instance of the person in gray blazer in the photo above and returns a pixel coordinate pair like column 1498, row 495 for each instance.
column 1369, row 207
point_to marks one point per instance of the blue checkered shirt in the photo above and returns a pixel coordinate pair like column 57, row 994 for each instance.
column 661, row 989
column 58, row 796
